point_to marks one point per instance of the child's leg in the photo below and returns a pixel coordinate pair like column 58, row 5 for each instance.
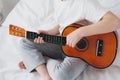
column 42, row 70
column 32, row 55
column 68, row 69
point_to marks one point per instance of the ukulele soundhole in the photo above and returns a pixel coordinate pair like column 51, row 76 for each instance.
column 82, row 45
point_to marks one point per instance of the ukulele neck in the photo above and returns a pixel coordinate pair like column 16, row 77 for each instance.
column 47, row 38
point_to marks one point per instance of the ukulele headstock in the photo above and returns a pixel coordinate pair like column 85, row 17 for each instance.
column 16, row 31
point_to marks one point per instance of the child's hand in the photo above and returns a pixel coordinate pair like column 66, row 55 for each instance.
column 74, row 37
column 40, row 39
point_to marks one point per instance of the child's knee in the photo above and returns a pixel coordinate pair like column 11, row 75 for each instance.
column 55, row 71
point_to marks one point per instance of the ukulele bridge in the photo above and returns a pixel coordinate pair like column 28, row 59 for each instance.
column 99, row 47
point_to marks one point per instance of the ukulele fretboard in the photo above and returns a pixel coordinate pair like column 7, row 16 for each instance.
column 47, row 38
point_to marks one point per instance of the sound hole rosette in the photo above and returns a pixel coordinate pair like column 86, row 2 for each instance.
column 82, row 45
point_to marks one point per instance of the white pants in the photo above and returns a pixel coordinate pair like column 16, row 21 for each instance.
column 59, row 66
column 68, row 69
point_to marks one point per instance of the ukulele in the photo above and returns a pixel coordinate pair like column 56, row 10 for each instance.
column 98, row 51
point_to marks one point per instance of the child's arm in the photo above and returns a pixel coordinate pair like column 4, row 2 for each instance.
column 53, row 31
column 108, row 23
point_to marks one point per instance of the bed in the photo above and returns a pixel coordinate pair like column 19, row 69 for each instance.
column 10, row 57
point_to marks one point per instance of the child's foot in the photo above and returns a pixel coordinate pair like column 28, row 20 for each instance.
column 21, row 65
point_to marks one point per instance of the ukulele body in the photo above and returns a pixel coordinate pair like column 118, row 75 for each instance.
column 98, row 51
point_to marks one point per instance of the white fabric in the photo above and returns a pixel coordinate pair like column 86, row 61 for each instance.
column 9, row 56
column 112, row 5
column 32, row 15
column 79, row 9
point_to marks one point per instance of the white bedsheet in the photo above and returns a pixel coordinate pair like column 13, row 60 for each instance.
column 9, row 58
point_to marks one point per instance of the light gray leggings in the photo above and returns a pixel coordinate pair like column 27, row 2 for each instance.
column 66, row 68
